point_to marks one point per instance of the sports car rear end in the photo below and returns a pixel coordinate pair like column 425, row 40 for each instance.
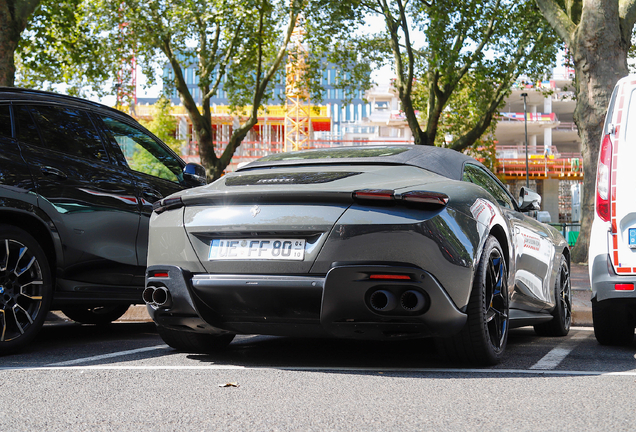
column 364, row 250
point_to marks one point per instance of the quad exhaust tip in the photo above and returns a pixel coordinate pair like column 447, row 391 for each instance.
column 384, row 300
column 157, row 297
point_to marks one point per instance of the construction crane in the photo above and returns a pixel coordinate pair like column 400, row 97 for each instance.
column 298, row 127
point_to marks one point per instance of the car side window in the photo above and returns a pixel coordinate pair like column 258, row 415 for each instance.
column 481, row 178
column 70, row 131
column 5, row 121
column 27, row 132
column 142, row 152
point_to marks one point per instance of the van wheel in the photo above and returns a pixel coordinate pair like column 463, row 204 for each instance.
column 613, row 324
column 98, row 315
column 25, row 288
column 192, row 342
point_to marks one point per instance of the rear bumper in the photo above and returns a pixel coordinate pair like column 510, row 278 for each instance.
column 339, row 304
column 603, row 280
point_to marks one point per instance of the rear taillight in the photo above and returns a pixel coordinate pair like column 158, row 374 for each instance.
column 603, row 179
column 425, row 197
column 416, row 197
column 375, row 194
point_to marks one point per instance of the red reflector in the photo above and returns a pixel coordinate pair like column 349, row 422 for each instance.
column 390, row 277
column 624, row 287
column 161, row 275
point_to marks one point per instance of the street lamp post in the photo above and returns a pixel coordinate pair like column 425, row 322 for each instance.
column 525, row 123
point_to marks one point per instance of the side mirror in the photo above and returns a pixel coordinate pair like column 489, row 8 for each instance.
column 194, row 175
column 529, row 200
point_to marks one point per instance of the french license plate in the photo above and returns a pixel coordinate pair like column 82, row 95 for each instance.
column 251, row 249
column 632, row 238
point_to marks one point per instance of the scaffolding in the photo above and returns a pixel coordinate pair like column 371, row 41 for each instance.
column 298, row 124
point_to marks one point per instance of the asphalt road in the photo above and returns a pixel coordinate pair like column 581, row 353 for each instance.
column 122, row 377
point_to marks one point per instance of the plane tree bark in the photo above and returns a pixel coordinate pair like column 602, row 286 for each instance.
column 598, row 37
column 14, row 17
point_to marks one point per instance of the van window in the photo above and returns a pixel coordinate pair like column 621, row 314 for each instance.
column 631, row 114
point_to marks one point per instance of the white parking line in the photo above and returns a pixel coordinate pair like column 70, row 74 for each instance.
column 106, row 356
column 323, row 369
column 554, row 358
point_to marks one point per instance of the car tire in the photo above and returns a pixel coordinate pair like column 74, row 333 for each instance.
column 26, row 288
column 483, row 339
column 562, row 314
column 192, row 342
column 98, row 315
column 613, row 322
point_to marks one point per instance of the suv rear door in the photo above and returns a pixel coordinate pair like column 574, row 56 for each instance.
column 14, row 173
column 91, row 201
column 155, row 169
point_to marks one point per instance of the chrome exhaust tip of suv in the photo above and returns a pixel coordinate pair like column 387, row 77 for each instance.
column 157, row 297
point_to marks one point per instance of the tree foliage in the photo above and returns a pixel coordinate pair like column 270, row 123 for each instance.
column 63, row 44
column 240, row 42
column 163, row 124
column 441, row 49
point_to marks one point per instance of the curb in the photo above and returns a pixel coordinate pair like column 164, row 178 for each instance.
column 136, row 313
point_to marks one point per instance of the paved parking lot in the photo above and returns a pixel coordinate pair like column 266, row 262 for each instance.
column 123, row 377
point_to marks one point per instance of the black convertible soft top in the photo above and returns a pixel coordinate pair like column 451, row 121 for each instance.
column 445, row 162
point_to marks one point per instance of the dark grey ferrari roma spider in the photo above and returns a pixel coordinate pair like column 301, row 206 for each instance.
column 373, row 242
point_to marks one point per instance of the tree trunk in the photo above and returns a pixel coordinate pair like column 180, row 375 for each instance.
column 8, row 45
column 600, row 59
column 14, row 15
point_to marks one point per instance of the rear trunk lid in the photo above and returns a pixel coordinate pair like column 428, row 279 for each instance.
column 273, row 221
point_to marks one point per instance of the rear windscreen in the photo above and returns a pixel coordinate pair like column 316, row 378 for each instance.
column 336, row 153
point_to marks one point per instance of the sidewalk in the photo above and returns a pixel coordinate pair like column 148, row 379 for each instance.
column 581, row 293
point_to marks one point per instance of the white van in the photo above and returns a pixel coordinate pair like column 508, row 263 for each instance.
column 612, row 252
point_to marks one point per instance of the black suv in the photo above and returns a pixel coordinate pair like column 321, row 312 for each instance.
column 77, row 184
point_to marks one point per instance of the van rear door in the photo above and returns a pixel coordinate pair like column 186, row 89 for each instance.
column 622, row 235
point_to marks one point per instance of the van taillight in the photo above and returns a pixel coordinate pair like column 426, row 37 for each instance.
column 603, row 179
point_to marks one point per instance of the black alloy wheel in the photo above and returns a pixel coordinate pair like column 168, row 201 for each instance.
column 25, row 288
column 100, row 315
column 562, row 313
column 483, row 339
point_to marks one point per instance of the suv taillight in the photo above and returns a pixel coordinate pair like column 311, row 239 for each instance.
column 603, row 179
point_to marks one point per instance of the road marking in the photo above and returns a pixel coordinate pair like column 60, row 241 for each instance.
column 554, row 358
column 106, row 356
column 321, row 369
